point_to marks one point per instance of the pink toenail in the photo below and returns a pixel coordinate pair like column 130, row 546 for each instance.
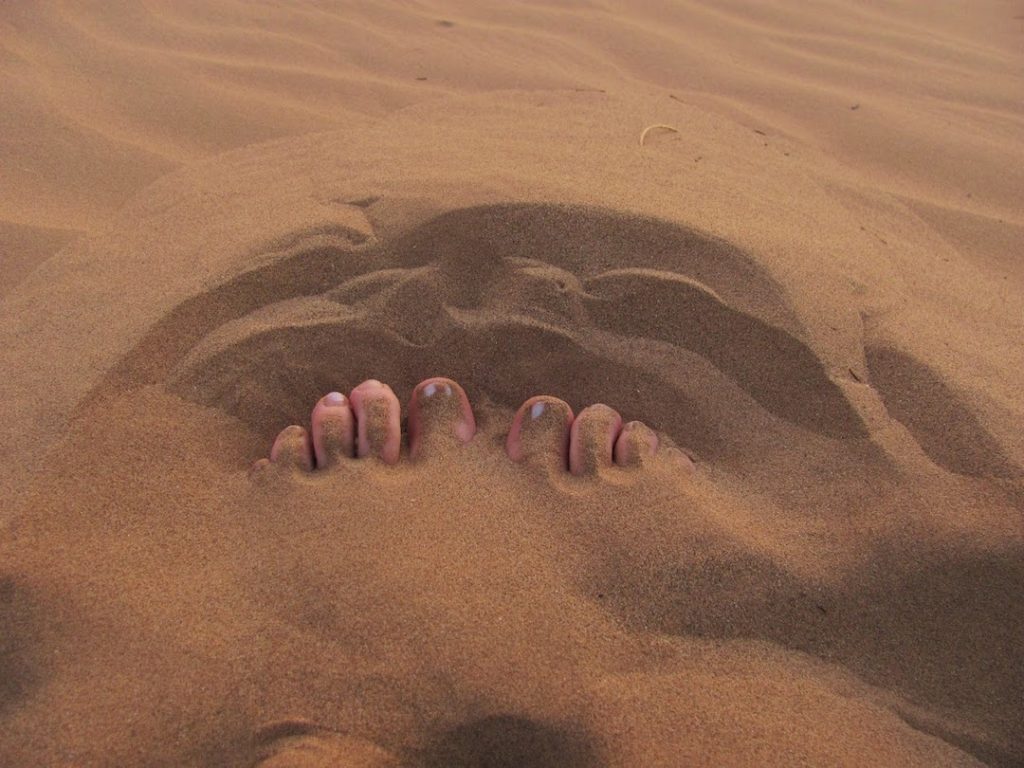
column 334, row 398
column 434, row 387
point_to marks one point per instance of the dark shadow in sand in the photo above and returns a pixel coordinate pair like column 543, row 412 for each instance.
column 508, row 741
column 936, row 415
column 889, row 623
column 20, row 671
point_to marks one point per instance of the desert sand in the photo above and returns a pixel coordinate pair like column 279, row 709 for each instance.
column 785, row 235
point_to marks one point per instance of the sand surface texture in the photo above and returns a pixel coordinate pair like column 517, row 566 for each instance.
column 809, row 282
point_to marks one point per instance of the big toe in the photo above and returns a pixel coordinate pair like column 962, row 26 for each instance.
column 378, row 421
column 592, row 439
column 540, row 432
column 439, row 416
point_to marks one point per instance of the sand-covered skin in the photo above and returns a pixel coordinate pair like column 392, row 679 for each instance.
column 811, row 287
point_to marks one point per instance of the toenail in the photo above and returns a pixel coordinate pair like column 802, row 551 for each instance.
column 435, row 387
column 334, row 398
column 537, row 410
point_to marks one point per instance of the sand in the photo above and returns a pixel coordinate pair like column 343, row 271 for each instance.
column 212, row 214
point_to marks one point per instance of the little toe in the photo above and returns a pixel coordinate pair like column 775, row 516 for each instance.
column 259, row 469
column 333, row 427
column 293, row 449
column 592, row 439
column 540, row 432
column 439, row 415
column 378, row 421
column 636, row 443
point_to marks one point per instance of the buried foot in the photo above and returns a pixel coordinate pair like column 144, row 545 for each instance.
column 544, row 432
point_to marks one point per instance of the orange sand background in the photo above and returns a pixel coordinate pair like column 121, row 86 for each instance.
column 210, row 214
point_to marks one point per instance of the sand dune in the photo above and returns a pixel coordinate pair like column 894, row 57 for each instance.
column 212, row 215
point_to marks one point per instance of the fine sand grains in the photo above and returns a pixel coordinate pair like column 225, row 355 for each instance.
column 784, row 235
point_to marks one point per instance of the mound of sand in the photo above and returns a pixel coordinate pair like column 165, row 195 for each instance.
column 803, row 306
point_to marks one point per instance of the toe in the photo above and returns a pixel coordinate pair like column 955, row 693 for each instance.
column 439, row 414
column 540, row 432
column 637, row 442
column 333, row 428
column 378, row 421
column 292, row 448
column 592, row 439
column 259, row 469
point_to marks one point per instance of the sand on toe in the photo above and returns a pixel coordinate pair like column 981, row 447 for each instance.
column 213, row 214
